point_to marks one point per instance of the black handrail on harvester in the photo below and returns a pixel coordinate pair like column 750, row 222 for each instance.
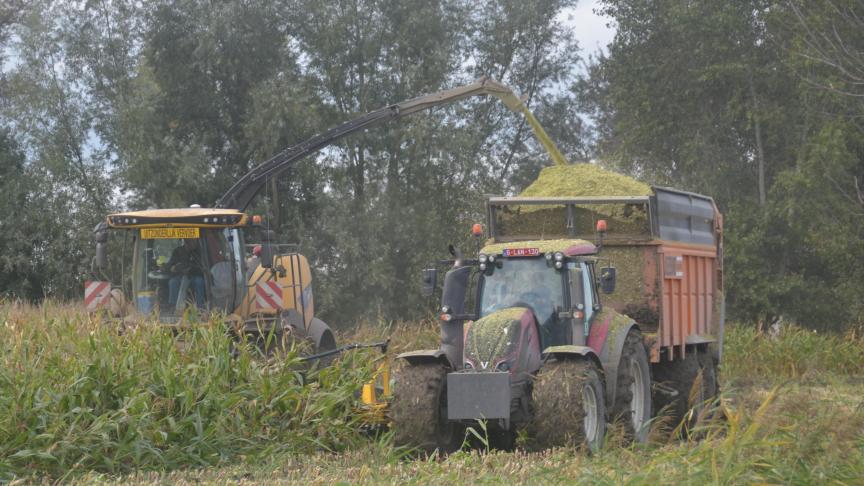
column 348, row 347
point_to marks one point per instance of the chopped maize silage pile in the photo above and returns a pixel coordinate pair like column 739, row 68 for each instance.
column 578, row 180
column 625, row 222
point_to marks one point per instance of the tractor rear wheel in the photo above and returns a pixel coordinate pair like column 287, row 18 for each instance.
column 633, row 389
column 569, row 405
column 418, row 408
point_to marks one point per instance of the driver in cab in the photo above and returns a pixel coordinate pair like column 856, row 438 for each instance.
column 186, row 262
column 538, row 296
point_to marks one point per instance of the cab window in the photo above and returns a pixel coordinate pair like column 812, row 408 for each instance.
column 588, row 288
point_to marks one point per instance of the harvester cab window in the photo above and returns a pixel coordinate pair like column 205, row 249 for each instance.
column 225, row 273
column 159, row 265
column 172, row 273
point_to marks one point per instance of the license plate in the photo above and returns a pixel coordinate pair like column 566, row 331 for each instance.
column 164, row 233
column 521, row 252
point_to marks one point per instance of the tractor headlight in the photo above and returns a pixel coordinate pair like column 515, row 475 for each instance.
column 559, row 265
column 483, row 258
column 503, row 366
column 468, row 365
column 491, row 258
column 482, row 267
column 559, row 257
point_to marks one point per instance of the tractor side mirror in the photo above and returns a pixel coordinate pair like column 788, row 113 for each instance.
column 266, row 257
column 100, row 235
column 430, row 279
column 607, row 279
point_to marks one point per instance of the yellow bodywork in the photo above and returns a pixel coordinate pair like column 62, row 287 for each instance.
column 294, row 276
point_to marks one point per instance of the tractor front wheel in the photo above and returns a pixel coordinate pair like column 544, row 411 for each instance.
column 569, row 405
column 418, row 409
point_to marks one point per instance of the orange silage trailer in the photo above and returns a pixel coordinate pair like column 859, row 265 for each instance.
column 667, row 251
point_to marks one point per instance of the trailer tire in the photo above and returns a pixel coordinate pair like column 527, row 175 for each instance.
column 568, row 405
column 710, row 385
column 682, row 376
column 418, row 409
column 632, row 407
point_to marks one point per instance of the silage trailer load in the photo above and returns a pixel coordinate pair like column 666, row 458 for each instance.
column 596, row 299
column 665, row 245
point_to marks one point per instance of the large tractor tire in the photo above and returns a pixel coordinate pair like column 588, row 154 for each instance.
column 418, row 409
column 569, row 405
column 633, row 389
column 694, row 378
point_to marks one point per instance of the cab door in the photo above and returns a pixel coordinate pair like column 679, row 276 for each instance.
column 584, row 302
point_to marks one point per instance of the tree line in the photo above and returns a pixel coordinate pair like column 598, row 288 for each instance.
column 128, row 105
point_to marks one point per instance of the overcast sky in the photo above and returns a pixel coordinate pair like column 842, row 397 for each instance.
column 591, row 30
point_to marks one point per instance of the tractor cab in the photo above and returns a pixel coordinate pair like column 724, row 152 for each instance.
column 554, row 279
column 185, row 258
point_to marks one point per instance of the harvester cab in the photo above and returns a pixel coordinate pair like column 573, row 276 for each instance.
column 192, row 261
column 182, row 257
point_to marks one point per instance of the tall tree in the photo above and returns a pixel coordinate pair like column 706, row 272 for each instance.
column 732, row 99
column 61, row 189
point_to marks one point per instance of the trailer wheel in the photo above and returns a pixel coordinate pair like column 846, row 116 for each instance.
column 683, row 376
column 633, row 389
column 710, row 386
column 418, row 409
column 569, row 405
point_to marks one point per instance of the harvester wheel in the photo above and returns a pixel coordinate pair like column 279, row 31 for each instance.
column 633, row 389
column 569, row 405
column 418, row 409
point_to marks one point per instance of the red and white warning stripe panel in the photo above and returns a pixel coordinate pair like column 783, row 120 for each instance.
column 97, row 294
column 268, row 295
